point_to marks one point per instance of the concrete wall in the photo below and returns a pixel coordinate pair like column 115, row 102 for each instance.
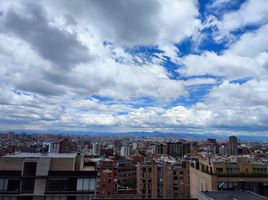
column 200, row 181
column 11, row 163
column 62, row 164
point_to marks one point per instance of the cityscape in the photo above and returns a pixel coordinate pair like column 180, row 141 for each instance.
column 133, row 99
column 57, row 166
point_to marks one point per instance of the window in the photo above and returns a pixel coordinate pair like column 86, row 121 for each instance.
column 84, row 198
column 8, row 198
column 219, row 170
column 3, row 184
column 29, row 169
column 27, row 185
column 13, row 185
column 57, row 184
column 56, row 198
column 86, row 184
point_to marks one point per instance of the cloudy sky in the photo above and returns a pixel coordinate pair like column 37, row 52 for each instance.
column 116, row 66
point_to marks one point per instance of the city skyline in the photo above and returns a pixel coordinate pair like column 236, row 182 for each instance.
column 188, row 66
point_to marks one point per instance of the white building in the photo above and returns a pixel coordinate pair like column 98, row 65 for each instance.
column 125, row 151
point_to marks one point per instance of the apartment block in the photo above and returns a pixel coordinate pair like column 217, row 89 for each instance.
column 117, row 179
column 51, row 176
column 155, row 180
column 228, row 173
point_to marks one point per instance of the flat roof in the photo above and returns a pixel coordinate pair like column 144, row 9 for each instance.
column 233, row 195
column 41, row 155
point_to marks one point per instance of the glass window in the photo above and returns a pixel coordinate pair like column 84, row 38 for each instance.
column 3, row 184
column 86, row 184
column 56, row 198
column 8, row 198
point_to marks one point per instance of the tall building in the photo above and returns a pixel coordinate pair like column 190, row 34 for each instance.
column 232, row 146
column 117, row 147
column 30, row 176
column 162, row 181
column 161, row 149
column 178, row 149
column 54, row 147
column 67, row 146
column 96, row 148
column 117, row 179
column 125, row 151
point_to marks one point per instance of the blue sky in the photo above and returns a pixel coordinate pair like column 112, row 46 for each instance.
column 117, row 66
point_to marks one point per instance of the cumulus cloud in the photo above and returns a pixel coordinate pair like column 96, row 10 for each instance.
column 251, row 44
column 227, row 65
column 74, row 66
column 235, row 104
column 102, row 76
column 57, row 46
column 199, row 81
column 136, row 22
column 251, row 13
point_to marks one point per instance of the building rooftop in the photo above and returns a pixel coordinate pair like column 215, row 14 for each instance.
column 38, row 155
column 233, row 195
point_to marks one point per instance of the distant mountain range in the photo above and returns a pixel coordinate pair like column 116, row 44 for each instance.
column 256, row 138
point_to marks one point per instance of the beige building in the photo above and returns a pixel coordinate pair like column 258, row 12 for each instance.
column 46, row 176
column 230, row 173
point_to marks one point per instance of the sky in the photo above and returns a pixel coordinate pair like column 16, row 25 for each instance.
column 182, row 66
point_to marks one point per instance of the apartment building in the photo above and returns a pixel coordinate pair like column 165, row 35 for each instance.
column 162, row 180
column 176, row 149
column 51, row 176
column 117, row 179
column 228, row 173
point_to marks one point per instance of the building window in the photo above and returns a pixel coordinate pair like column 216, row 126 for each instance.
column 3, row 184
column 84, row 198
column 86, row 184
column 29, row 169
column 57, row 184
column 56, row 198
column 219, row 170
column 11, row 185
column 27, row 185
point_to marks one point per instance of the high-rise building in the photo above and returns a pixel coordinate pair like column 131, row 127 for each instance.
column 96, row 148
column 117, row 179
column 117, row 147
column 46, row 176
column 178, row 149
column 232, row 146
column 161, row 149
column 162, row 181
column 125, row 151
column 54, row 147
column 67, row 146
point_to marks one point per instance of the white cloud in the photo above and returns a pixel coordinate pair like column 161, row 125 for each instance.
column 199, row 81
column 39, row 92
column 251, row 13
column 227, row 65
column 134, row 22
column 218, row 4
column 251, row 44
column 241, row 105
